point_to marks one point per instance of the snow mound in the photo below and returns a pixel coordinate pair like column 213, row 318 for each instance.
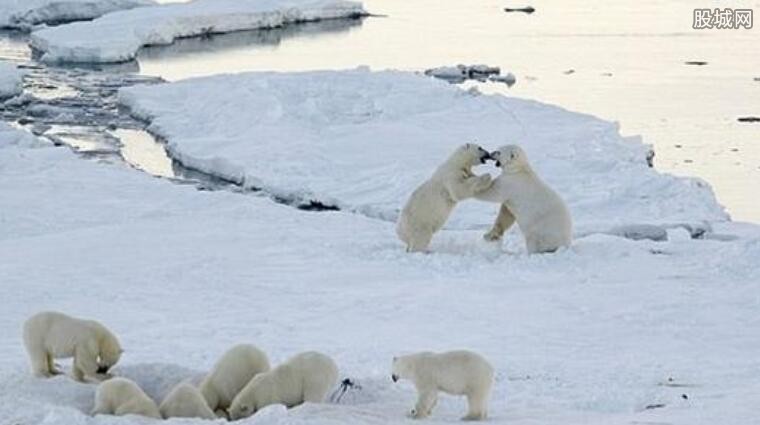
column 118, row 36
column 364, row 140
column 10, row 80
column 25, row 14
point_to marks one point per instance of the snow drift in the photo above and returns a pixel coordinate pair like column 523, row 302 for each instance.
column 118, row 36
column 364, row 140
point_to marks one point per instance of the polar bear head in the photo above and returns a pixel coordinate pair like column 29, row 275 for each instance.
column 468, row 156
column 404, row 367
column 510, row 158
column 109, row 350
column 257, row 394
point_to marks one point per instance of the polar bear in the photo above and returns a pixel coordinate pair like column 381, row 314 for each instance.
column 541, row 214
column 121, row 396
column 185, row 401
column 458, row 372
column 51, row 335
column 430, row 205
column 306, row 377
column 230, row 374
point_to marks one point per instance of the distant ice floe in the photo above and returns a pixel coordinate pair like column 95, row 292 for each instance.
column 26, row 14
column 461, row 73
column 10, row 80
column 118, row 36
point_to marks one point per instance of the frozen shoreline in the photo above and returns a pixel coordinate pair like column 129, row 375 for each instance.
column 117, row 37
column 26, row 14
column 262, row 133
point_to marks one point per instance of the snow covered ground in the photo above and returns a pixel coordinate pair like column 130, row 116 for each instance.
column 118, row 36
column 364, row 140
column 25, row 14
column 11, row 79
column 590, row 335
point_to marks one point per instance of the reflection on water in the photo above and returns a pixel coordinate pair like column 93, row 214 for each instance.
column 627, row 61
column 220, row 53
column 142, row 151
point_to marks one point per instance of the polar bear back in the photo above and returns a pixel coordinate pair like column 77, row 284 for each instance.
column 185, row 401
column 231, row 373
column 121, row 396
column 305, row 377
column 455, row 372
column 59, row 334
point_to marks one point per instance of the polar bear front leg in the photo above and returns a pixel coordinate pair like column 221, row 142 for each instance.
column 503, row 222
column 51, row 365
column 39, row 358
column 477, row 406
column 468, row 188
column 426, row 400
column 85, row 363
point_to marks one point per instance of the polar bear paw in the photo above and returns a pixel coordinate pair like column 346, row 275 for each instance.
column 493, row 235
column 482, row 183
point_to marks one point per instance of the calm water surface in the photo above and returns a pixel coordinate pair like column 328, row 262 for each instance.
column 622, row 61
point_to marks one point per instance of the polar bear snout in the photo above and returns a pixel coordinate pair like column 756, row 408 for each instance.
column 394, row 377
column 103, row 369
column 496, row 156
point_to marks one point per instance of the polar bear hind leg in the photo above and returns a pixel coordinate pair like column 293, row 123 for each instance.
column 51, row 365
column 477, row 406
column 418, row 241
column 503, row 222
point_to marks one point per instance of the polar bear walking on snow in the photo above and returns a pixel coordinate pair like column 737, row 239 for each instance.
column 541, row 214
column 454, row 372
column 51, row 335
column 430, row 205
column 306, row 377
column 230, row 374
column 121, row 396
column 185, row 401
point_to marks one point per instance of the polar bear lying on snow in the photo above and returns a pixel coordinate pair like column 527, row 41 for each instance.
column 306, row 377
column 430, row 205
column 541, row 214
column 120, row 396
column 51, row 335
column 185, row 401
column 230, row 374
column 454, row 372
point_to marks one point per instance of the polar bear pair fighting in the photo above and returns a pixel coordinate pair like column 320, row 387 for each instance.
column 539, row 211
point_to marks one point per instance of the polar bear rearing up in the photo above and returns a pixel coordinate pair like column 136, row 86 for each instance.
column 51, row 335
column 541, row 214
column 430, row 205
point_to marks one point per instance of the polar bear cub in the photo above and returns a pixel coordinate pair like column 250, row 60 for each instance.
column 230, row 374
column 185, row 401
column 541, row 214
column 51, row 335
column 454, row 372
column 430, row 205
column 121, row 396
column 306, row 377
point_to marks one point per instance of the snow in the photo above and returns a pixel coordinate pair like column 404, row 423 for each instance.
column 11, row 79
column 26, row 14
column 590, row 335
column 118, row 36
column 364, row 140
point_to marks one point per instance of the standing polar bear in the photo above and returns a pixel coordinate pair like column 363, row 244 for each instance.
column 454, row 372
column 306, row 377
column 51, row 335
column 185, row 401
column 230, row 374
column 541, row 214
column 120, row 396
column 430, row 205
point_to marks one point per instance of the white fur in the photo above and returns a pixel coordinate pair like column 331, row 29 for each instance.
column 430, row 205
column 51, row 335
column 230, row 374
column 185, row 401
column 306, row 377
column 120, row 396
column 541, row 214
column 454, row 372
